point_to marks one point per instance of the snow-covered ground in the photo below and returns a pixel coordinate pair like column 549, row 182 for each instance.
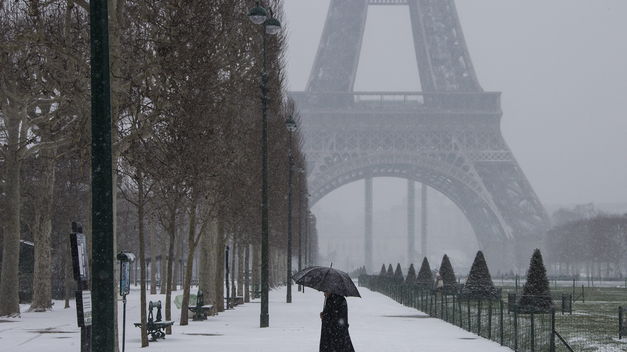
column 377, row 324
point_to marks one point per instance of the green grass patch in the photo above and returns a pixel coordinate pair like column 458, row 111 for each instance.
column 593, row 325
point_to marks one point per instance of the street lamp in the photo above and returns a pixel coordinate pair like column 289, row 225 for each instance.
column 103, row 298
column 259, row 15
column 304, row 204
column 290, row 124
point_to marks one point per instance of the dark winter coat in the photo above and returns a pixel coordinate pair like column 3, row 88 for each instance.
column 334, row 336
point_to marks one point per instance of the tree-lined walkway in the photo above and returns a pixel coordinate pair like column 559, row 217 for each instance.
column 377, row 324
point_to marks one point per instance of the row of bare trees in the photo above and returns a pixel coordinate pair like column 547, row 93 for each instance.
column 595, row 247
column 186, row 107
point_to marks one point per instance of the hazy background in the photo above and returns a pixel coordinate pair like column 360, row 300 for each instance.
column 562, row 68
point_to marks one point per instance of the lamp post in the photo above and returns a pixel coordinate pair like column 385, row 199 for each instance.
column 103, row 298
column 291, row 127
column 300, row 235
column 304, row 224
column 271, row 26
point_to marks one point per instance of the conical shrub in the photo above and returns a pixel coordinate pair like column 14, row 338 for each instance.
column 448, row 277
column 425, row 276
column 398, row 273
column 411, row 275
column 479, row 284
column 383, row 272
column 536, row 294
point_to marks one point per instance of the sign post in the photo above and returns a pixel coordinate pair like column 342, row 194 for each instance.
column 80, row 264
column 125, row 287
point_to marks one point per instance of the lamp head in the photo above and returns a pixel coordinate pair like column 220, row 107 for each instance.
column 290, row 124
column 273, row 26
column 258, row 14
column 126, row 257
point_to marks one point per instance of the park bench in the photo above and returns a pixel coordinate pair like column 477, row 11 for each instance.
column 201, row 310
column 155, row 327
column 236, row 301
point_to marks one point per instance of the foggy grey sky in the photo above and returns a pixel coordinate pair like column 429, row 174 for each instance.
column 562, row 68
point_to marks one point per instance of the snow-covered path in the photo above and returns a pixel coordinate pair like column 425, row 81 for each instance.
column 377, row 324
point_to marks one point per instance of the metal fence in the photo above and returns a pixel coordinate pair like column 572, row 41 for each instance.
column 592, row 326
column 492, row 319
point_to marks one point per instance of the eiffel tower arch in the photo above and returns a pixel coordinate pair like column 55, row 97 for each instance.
column 447, row 136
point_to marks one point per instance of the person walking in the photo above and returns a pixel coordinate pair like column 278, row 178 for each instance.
column 334, row 336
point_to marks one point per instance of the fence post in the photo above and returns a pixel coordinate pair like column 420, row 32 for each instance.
column 479, row 317
column 583, row 294
column 417, row 298
column 443, row 314
column 469, row 324
column 501, row 320
column 490, row 319
column 427, row 301
column 570, row 308
column 461, row 314
column 412, row 293
column 533, row 332
column 552, row 342
column 453, row 317
column 515, row 328
column 414, row 300
column 620, row 322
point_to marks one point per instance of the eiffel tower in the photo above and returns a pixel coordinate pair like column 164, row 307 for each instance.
column 447, row 136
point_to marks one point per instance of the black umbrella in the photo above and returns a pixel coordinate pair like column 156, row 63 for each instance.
column 327, row 280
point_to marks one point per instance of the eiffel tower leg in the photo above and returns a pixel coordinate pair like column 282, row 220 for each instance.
column 368, row 225
column 519, row 207
column 411, row 220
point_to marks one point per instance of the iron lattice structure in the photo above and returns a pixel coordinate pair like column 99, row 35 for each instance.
column 447, row 136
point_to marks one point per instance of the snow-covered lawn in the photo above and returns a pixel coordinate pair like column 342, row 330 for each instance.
column 377, row 324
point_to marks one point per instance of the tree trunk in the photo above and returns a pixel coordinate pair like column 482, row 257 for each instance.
column 219, row 268
column 170, row 281
column 271, row 268
column 142, row 259
column 67, row 273
column 42, row 285
column 256, row 270
column 233, row 269
column 187, row 285
column 177, row 264
column 163, row 275
column 240, row 270
column 190, row 258
column 9, row 287
column 247, row 274
column 153, row 262
column 205, row 282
